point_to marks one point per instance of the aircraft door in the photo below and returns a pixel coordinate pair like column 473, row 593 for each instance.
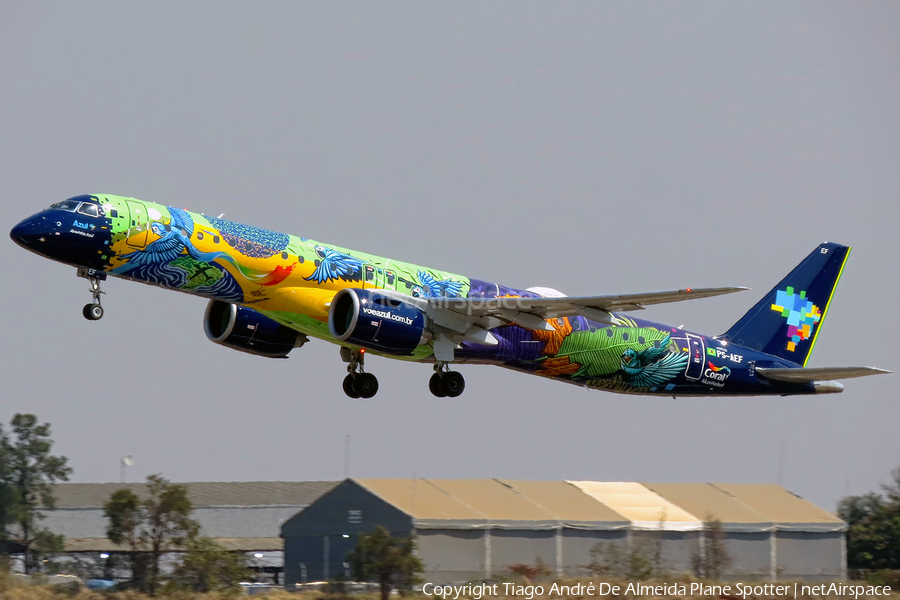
column 379, row 276
column 139, row 224
column 697, row 358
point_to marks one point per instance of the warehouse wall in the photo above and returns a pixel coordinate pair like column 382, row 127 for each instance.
column 522, row 547
column 577, row 545
column 451, row 554
column 750, row 554
column 810, row 556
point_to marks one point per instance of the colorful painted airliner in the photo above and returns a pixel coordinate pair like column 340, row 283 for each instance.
column 270, row 292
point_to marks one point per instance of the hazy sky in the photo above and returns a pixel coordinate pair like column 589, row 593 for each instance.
column 597, row 148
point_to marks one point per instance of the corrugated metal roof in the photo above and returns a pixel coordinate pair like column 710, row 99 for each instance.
column 420, row 500
column 707, row 501
column 643, row 507
column 787, row 510
column 230, row 493
column 500, row 504
column 567, row 503
column 253, row 544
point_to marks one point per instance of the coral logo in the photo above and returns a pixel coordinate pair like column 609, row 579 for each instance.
column 714, row 373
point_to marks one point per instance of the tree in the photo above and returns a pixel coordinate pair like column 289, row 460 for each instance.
column 28, row 471
column 152, row 526
column 124, row 513
column 389, row 561
column 873, row 534
column 208, row 567
column 7, row 496
column 711, row 559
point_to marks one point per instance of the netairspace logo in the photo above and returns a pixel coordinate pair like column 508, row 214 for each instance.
column 738, row 590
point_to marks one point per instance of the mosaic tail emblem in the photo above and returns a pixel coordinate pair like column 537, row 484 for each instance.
column 801, row 314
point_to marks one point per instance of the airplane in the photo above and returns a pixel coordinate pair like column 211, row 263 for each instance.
column 271, row 292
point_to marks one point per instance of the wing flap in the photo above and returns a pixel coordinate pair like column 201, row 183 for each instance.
column 807, row 375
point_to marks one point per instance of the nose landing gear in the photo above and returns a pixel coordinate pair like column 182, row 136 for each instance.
column 93, row 311
column 358, row 383
column 446, row 383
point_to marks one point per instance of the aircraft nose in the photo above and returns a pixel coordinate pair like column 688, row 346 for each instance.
column 31, row 233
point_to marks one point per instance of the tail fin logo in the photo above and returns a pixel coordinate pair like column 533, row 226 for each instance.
column 801, row 314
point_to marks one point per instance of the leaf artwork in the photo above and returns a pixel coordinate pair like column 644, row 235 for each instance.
column 600, row 352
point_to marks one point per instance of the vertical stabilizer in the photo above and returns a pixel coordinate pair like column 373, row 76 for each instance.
column 787, row 320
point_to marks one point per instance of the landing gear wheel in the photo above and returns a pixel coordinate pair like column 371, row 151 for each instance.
column 453, row 383
column 357, row 383
column 349, row 388
column 447, row 384
column 434, row 385
column 92, row 312
column 366, row 385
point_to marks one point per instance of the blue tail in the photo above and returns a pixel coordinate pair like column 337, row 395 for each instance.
column 787, row 320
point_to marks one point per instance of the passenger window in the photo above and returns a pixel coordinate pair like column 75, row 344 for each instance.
column 199, row 236
column 390, row 277
column 90, row 210
column 370, row 273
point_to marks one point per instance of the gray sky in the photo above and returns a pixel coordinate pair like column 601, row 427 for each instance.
column 596, row 148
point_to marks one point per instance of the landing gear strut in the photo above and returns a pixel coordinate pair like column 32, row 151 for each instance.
column 358, row 383
column 446, row 383
column 93, row 311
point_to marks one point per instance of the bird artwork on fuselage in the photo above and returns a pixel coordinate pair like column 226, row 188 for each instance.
column 269, row 292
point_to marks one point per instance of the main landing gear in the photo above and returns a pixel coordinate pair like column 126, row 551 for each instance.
column 358, row 383
column 446, row 383
column 93, row 311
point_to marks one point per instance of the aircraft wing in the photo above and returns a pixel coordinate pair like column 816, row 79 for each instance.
column 807, row 375
column 456, row 319
column 528, row 311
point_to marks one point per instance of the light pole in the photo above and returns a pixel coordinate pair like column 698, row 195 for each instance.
column 127, row 461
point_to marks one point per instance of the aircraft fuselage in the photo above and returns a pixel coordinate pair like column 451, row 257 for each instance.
column 292, row 281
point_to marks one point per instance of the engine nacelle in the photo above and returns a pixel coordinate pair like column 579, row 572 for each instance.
column 244, row 329
column 374, row 320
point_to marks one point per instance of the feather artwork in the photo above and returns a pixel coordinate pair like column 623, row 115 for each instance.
column 174, row 239
column 429, row 287
column 334, row 265
column 658, row 372
column 633, row 361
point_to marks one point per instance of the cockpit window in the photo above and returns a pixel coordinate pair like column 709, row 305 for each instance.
column 91, row 210
column 66, row 205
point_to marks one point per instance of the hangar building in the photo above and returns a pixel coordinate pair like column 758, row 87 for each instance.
column 475, row 529
column 241, row 516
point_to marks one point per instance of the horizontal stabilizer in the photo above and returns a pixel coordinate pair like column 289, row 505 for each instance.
column 806, row 375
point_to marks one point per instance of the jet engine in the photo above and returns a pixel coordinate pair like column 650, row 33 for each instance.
column 244, row 329
column 376, row 321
